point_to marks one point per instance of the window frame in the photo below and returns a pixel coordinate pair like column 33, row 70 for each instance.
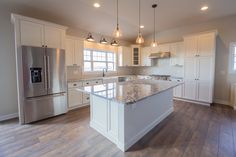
column 232, row 55
column 106, row 61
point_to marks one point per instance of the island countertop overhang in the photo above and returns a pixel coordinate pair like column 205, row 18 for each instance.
column 129, row 92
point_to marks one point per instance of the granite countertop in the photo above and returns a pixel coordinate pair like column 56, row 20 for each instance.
column 130, row 91
column 99, row 78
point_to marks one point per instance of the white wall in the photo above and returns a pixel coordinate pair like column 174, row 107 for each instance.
column 8, row 94
column 226, row 28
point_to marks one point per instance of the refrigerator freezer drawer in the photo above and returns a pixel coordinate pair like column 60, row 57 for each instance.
column 44, row 107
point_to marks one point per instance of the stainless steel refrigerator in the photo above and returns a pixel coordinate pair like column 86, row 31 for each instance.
column 44, row 82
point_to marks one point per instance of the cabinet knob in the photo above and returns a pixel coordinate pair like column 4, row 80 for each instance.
column 42, row 45
column 74, row 84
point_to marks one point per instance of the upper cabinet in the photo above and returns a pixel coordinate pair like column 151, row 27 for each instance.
column 124, row 56
column 177, row 54
column 136, row 55
column 74, row 51
column 200, row 45
column 33, row 32
column 145, row 60
column 54, row 37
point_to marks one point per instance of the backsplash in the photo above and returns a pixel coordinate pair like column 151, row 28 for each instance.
column 75, row 72
column 163, row 67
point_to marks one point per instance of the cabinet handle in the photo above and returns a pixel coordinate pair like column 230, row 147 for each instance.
column 74, row 84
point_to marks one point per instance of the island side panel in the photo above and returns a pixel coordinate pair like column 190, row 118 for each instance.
column 142, row 116
column 107, row 117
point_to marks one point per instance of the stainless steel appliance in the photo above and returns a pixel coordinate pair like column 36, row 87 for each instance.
column 44, row 83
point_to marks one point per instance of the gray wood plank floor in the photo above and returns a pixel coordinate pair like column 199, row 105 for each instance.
column 191, row 131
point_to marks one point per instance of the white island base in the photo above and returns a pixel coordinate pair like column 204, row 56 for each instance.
column 125, row 124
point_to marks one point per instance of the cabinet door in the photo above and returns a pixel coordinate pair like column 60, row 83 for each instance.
column 206, row 44
column 205, row 68
column 74, row 98
column 124, row 56
column 190, row 46
column 204, row 91
column 145, row 60
column 190, row 68
column 136, row 56
column 190, row 89
column 70, row 51
column 79, row 50
column 31, row 34
column 54, row 37
column 164, row 47
column 178, row 91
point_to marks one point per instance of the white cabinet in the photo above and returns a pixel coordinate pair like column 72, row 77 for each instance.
column 198, row 76
column 164, row 47
column 200, row 45
column 124, row 56
column 75, row 97
column 31, row 34
column 190, row 89
column 145, row 60
column 34, row 32
column 190, row 46
column 177, row 54
column 54, row 37
column 136, row 55
column 199, row 67
column 206, row 44
column 74, row 51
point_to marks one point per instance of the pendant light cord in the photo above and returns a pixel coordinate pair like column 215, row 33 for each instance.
column 139, row 17
column 117, row 24
column 154, row 29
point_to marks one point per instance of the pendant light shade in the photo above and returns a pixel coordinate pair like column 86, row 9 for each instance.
column 117, row 33
column 139, row 39
column 114, row 43
column 154, row 43
column 103, row 41
column 90, row 38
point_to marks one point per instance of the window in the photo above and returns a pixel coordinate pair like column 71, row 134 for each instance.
column 232, row 58
column 95, row 60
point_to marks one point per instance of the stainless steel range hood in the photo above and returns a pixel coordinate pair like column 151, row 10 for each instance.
column 159, row 55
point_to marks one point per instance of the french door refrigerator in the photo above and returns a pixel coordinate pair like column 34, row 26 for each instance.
column 44, row 83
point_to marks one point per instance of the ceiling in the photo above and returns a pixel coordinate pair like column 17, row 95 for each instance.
column 81, row 13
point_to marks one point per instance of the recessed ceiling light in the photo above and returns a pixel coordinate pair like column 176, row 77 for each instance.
column 142, row 26
column 96, row 5
column 203, row 8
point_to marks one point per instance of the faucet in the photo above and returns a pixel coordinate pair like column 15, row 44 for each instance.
column 103, row 72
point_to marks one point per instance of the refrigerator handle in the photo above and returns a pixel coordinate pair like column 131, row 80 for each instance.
column 45, row 71
column 48, row 69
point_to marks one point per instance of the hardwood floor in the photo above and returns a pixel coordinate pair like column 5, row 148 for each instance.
column 192, row 130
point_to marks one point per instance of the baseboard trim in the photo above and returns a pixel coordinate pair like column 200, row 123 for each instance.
column 192, row 101
column 8, row 116
column 223, row 102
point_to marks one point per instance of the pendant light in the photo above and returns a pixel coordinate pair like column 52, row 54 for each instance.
column 114, row 43
column 117, row 32
column 90, row 38
column 139, row 39
column 103, row 41
column 154, row 44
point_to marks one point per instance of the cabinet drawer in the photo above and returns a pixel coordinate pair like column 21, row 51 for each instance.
column 74, row 84
column 92, row 82
column 86, row 98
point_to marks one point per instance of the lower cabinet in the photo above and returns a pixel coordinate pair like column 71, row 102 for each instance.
column 198, row 90
column 178, row 91
column 74, row 98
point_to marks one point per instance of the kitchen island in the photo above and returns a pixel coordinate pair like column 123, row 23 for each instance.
column 124, row 112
